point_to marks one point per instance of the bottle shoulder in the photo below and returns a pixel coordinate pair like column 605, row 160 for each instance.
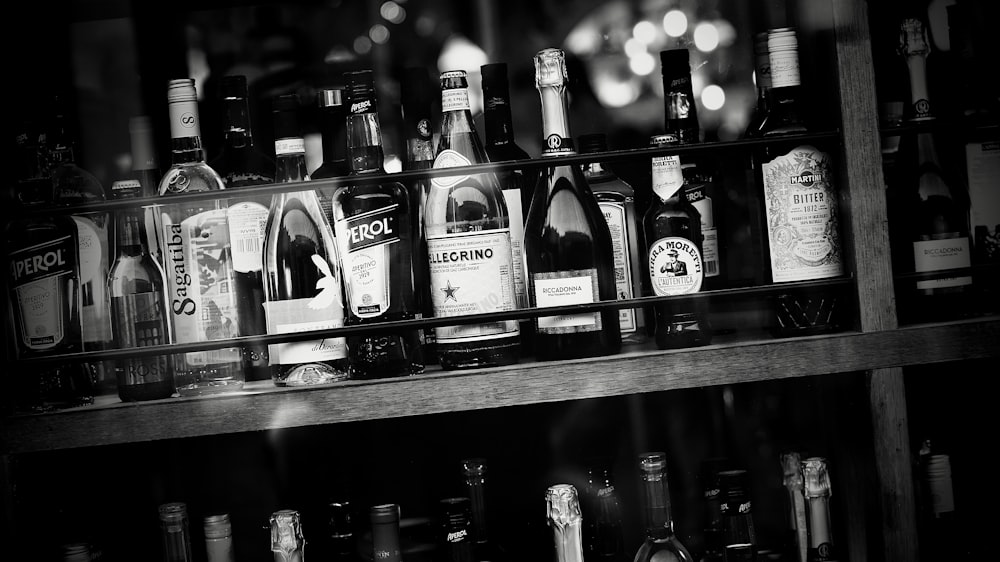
column 190, row 177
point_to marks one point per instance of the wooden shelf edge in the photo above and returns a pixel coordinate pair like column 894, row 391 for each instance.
column 263, row 407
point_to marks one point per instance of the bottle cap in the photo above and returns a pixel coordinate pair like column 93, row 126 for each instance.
column 173, row 511
column 653, row 462
column 217, row 526
column 550, row 68
column 286, row 531
column 331, row 97
column 675, row 61
column 181, row 90
column 341, row 519
column 454, row 79
column 782, row 39
column 385, row 513
column 710, row 469
column 815, row 478
column 234, row 86
column 663, row 140
column 562, row 505
column 494, row 76
column 474, row 467
column 593, row 142
column 791, row 465
column 913, row 38
column 360, row 91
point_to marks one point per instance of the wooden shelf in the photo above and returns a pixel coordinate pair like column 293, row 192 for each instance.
column 261, row 406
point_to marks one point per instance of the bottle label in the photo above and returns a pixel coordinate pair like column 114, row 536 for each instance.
column 802, row 225
column 560, row 288
column 141, row 322
column 322, row 312
column 472, row 273
column 614, row 215
column 95, row 311
column 675, row 266
column 822, row 553
column 515, row 214
column 37, row 274
column 941, row 255
column 247, row 227
column 455, row 99
column 289, row 146
column 709, row 234
column 667, row 176
column 184, row 119
column 784, row 68
column 201, row 299
column 365, row 243
column 449, row 158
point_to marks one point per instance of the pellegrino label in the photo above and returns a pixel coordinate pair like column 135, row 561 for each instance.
column 561, row 288
column 675, row 266
column 802, row 216
column 37, row 280
column 323, row 311
column 449, row 158
column 365, row 243
column 92, row 234
column 472, row 273
column 709, row 234
column 614, row 215
column 941, row 254
column 247, row 226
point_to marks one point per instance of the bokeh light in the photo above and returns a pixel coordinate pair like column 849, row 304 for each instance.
column 713, row 97
column 706, row 37
column 644, row 31
column 379, row 33
column 362, row 45
column 642, row 63
column 392, row 12
column 675, row 23
column 633, row 47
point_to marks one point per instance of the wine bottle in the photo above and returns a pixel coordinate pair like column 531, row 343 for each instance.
column 661, row 543
column 603, row 537
column 287, row 542
column 197, row 255
column 218, row 538
column 175, row 532
column 455, row 542
column 343, row 544
column 375, row 241
column 468, row 243
column 303, row 272
column 616, row 199
column 562, row 508
column 385, row 533
column 762, row 79
column 567, row 244
column 739, row 539
column 816, row 489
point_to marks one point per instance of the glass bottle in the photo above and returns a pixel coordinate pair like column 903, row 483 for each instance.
column 567, row 244
column 468, row 243
column 385, row 533
column 603, row 538
column 218, row 538
column 797, row 542
column 474, row 476
column 762, row 79
column 562, row 508
column 816, row 489
column 739, row 539
column 712, row 491
column 241, row 164
column 343, row 545
column 146, row 171
column 939, row 536
column 799, row 202
column 287, row 542
column 303, row 289
column 375, row 238
column 661, row 544
column 333, row 130
column 136, row 287
column 197, row 254
column 616, row 199
column 175, row 532
column 673, row 232
column 455, row 541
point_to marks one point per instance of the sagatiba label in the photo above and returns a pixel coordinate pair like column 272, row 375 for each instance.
column 365, row 243
column 675, row 266
column 36, row 275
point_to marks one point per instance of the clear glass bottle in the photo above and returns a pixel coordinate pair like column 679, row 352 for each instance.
column 175, row 532
column 567, row 244
column 375, row 238
column 468, row 243
column 762, row 79
column 218, row 538
column 661, row 544
column 287, row 542
column 796, row 542
column 202, row 302
column 816, row 489
column 562, row 508
column 455, row 540
column 303, row 288
column 385, row 533
column 739, row 539
column 603, row 536
column 138, row 305
column 616, row 199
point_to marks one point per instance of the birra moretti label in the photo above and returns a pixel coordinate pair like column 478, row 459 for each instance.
column 802, row 217
column 37, row 278
column 365, row 242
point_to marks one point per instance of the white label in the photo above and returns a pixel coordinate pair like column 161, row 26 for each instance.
column 184, row 119
column 667, row 176
column 784, row 68
column 303, row 315
column 247, row 226
column 983, row 164
column 449, row 158
column 42, row 323
column 95, row 311
column 614, row 215
column 472, row 273
column 365, row 244
column 516, row 215
column 561, row 288
column 289, row 146
column 802, row 227
column 675, row 266
column 455, row 99
column 942, row 255
column 709, row 236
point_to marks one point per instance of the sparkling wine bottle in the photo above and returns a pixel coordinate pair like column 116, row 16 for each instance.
column 661, row 544
column 562, row 508
column 287, row 542
column 218, row 538
column 816, row 489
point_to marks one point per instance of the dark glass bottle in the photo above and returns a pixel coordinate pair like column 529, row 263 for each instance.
column 680, row 107
column 468, row 243
column 816, row 489
column 739, row 540
column 333, row 128
column 567, row 244
column 287, row 541
column 138, row 304
column 343, row 543
column 603, row 537
column 375, row 241
column 385, row 533
column 762, row 78
column 146, row 170
column 175, row 532
column 474, row 476
column 711, row 490
column 455, row 542
column 304, row 284
column 661, row 543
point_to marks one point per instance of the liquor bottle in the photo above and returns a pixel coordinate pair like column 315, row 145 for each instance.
column 197, row 256
column 343, row 545
column 699, row 186
column 456, row 544
column 218, row 538
column 287, row 542
column 816, row 489
column 385, row 533
column 940, row 226
column 616, row 199
column 661, row 543
column 603, row 537
column 562, row 508
column 567, row 244
column 175, row 532
column 680, row 108
column 739, row 540
column 146, row 171
column 474, row 476
column 375, row 238
column 796, row 544
column 241, row 164
column 138, row 305
column 468, row 243
column 762, row 79
column 712, row 492
column 303, row 289
column 333, row 129
column 798, row 199
column 673, row 232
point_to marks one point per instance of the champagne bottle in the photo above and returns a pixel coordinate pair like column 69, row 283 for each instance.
column 287, row 542
column 567, row 243
column 303, row 271
column 175, row 532
column 661, row 543
column 468, row 243
column 218, row 538
column 739, row 540
column 562, row 508
column 816, row 489
column 385, row 533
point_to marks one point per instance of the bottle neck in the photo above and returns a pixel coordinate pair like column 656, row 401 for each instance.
column 364, row 143
column 668, row 177
column 385, row 541
column 555, row 121
column 130, row 232
column 818, row 512
column 497, row 117
column 185, row 133
column 596, row 170
column 568, row 539
column 475, row 487
column 920, row 106
column 237, row 129
column 659, row 523
column 334, row 133
column 456, row 112
column 680, row 107
column 290, row 160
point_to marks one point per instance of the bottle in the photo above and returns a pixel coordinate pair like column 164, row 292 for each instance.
column 939, row 524
column 940, row 226
column 712, row 492
column 474, row 476
column 333, row 129
column 680, row 108
column 385, row 533
column 343, row 547
column 739, row 539
column 468, row 243
column 567, row 244
column 136, row 287
column 303, row 289
column 455, row 540
column 798, row 198
column 146, row 171
column 175, row 532
column 661, row 543
column 603, row 538
column 287, row 542
column 241, row 164
column 673, row 232
column 816, row 489
column 796, row 544
column 562, row 508
column 218, row 538
column 197, row 256
column 762, row 79
column 375, row 238
column 616, row 199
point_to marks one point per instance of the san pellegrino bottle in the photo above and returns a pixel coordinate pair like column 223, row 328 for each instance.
column 468, row 243
column 375, row 240
column 455, row 540
column 567, row 244
column 385, row 533
column 197, row 257
column 175, row 532
column 661, row 544
column 303, row 289
column 218, row 538
column 603, row 536
column 816, row 489
column 562, row 508
column 739, row 539
column 287, row 542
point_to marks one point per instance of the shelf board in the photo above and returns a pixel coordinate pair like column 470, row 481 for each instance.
column 261, row 406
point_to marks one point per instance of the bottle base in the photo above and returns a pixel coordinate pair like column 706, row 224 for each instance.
column 476, row 355
column 210, row 387
column 308, row 374
column 148, row 391
column 385, row 356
